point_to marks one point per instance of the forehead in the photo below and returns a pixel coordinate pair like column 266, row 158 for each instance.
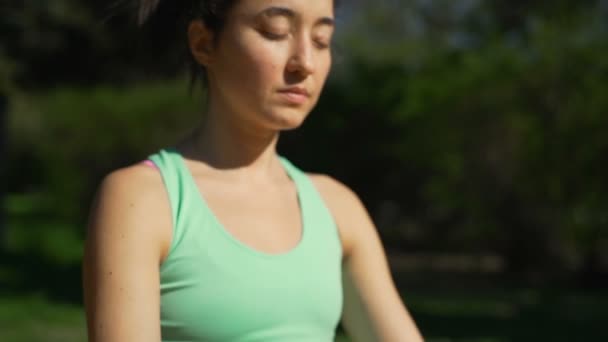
column 306, row 9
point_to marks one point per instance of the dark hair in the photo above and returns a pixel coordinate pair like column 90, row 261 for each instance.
column 162, row 16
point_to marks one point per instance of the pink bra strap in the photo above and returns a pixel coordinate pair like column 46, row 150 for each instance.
column 150, row 163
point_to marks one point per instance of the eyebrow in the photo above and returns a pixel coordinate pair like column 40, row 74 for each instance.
column 286, row 12
column 278, row 12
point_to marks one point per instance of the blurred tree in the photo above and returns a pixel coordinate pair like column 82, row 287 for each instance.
column 494, row 148
column 53, row 41
column 87, row 43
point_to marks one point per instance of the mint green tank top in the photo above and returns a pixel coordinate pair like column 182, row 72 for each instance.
column 215, row 288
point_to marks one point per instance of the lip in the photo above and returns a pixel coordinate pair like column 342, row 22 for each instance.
column 295, row 95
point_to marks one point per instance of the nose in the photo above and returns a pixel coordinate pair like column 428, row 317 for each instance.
column 302, row 57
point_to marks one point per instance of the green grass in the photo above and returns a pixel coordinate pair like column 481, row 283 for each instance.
column 33, row 318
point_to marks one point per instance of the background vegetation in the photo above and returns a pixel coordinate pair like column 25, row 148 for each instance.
column 474, row 131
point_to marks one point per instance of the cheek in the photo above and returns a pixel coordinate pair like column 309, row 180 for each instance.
column 324, row 63
column 259, row 64
column 268, row 65
column 325, row 66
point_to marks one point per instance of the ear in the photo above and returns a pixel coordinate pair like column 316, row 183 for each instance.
column 200, row 40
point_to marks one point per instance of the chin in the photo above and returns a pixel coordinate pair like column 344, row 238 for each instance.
column 288, row 119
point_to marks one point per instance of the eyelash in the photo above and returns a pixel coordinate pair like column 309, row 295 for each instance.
column 322, row 46
column 274, row 36
column 278, row 37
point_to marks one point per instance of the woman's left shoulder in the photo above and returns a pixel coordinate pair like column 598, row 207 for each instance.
column 334, row 191
column 345, row 206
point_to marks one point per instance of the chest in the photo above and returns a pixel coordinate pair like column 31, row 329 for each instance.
column 267, row 218
column 215, row 289
column 223, row 296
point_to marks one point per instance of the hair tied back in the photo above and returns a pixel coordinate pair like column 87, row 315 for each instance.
column 145, row 9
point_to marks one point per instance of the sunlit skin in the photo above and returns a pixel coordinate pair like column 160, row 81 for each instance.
column 266, row 70
column 262, row 52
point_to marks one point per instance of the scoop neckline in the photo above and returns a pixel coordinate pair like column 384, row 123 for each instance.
column 219, row 226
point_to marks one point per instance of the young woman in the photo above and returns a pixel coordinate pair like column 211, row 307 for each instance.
column 218, row 238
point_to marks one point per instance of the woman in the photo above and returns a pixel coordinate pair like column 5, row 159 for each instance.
column 220, row 239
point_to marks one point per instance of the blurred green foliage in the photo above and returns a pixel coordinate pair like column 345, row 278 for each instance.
column 35, row 318
column 464, row 125
column 494, row 146
column 64, row 139
column 467, row 127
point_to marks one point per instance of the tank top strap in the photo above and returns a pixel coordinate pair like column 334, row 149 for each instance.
column 298, row 176
column 318, row 215
column 306, row 189
column 179, row 191
column 170, row 177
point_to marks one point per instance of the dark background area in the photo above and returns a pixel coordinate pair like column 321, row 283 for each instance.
column 474, row 131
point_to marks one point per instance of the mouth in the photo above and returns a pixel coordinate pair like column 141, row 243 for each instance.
column 295, row 95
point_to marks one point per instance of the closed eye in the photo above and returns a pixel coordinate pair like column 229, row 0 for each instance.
column 273, row 36
column 321, row 45
column 322, row 41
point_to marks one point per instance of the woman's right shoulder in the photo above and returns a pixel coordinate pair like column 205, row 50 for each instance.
column 125, row 244
column 138, row 186
column 131, row 202
column 135, row 181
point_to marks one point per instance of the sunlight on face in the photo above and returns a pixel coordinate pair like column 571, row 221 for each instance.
column 272, row 60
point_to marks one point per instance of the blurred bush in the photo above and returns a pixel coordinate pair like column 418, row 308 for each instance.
column 465, row 126
column 64, row 139
column 477, row 141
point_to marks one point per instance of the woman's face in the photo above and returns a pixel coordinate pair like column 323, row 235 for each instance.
column 271, row 61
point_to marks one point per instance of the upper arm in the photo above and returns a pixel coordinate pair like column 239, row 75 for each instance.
column 123, row 247
column 373, row 309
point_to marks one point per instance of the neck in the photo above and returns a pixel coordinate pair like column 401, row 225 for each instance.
column 225, row 142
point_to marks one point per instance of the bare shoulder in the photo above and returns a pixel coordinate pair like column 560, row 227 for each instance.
column 132, row 201
column 345, row 206
column 135, row 177
column 334, row 191
column 126, row 239
column 136, row 188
